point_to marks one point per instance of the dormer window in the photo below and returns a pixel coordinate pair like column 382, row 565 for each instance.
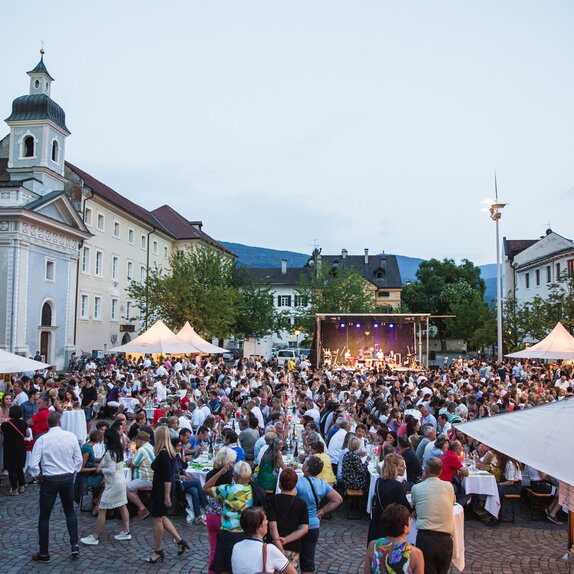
column 55, row 151
column 380, row 273
column 28, row 146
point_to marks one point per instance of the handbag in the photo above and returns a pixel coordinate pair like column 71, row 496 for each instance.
column 28, row 444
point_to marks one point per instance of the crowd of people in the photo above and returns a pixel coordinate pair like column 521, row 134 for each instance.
column 264, row 500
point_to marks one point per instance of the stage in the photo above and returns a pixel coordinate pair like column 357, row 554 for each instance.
column 382, row 341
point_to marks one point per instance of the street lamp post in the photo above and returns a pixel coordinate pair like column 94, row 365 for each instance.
column 495, row 209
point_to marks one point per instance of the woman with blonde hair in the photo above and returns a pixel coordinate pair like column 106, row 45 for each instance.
column 162, row 487
column 224, row 457
column 387, row 490
column 355, row 473
column 233, row 498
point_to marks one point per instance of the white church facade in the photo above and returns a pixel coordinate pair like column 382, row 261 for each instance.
column 69, row 244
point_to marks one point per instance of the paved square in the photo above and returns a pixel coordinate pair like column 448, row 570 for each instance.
column 524, row 547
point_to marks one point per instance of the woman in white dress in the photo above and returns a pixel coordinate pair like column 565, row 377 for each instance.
column 115, row 494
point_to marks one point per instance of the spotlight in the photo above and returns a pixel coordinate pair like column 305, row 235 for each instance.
column 357, row 325
column 391, row 325
column 376, row 325
column 367, row 333
column 342, row 325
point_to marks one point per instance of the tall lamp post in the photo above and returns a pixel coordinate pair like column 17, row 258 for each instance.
column 495, row 209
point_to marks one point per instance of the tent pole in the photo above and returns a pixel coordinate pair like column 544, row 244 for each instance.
column 570, row 540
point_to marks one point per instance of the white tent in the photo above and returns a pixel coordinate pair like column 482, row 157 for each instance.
column 558, row 344
column 187, row 333
column 540, row 437
column 11, row 363
column 157, row 339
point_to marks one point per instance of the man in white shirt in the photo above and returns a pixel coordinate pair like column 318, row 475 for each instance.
column 196, row 418
column 312, row 410
column 56, row 456
column 161, row 389
column 161, row 371
column 336, row 442
column 203, row 408
column 252, row 406
column 19, row 395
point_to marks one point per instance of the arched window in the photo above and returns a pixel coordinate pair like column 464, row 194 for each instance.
column 28, row 146
column 55, row 151
column 46, row 315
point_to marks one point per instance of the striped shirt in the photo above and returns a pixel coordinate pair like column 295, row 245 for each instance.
column 142, row 462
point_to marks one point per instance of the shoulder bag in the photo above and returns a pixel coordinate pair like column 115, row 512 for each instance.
column 28, row 443
column 264, row 571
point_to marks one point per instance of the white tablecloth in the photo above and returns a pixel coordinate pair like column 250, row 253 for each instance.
column 75, row 422
column 457, row 538
column 484, row 484
column 200, row 473
column 299, row 472
column 374, row 473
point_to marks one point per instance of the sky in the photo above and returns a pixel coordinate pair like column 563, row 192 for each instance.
column 345, row 124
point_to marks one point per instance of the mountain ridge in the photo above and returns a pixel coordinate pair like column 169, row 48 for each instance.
column 252, row 256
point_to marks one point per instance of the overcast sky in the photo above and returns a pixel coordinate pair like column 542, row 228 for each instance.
column 350, row 123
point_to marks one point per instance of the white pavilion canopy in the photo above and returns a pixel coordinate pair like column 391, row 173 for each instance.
column 538, row 436
column 12, row 363
column 157, row 339
column 558, row 344
column 188, row 334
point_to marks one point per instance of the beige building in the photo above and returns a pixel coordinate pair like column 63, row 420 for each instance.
column 126, row 240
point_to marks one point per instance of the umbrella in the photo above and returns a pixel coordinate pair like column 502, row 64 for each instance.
column 11, row 363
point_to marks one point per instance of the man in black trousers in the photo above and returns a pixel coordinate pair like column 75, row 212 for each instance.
column 56, row 458
column 432, row 500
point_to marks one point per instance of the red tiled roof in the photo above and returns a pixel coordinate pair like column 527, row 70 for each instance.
column 182, row 229
column 115, row 198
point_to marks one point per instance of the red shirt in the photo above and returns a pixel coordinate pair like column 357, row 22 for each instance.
column 158, row 414
column 450, row 464
column 40, row 422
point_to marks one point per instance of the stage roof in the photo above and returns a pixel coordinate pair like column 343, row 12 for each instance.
column 405, row 316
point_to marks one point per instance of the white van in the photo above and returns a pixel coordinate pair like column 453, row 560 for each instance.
column 283, row 355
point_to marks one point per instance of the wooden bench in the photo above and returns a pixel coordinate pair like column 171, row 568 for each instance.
column 355, row 497
column 511, row 498
column 537, row 501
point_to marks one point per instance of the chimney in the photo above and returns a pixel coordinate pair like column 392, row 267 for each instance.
column 283, row 266
column 344, row 253
column 366, row 256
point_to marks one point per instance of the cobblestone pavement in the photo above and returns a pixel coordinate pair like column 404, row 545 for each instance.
column 523, row 547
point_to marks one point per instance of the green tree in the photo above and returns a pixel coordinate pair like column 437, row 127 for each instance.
column 204, row 287
column 329, row 290
column 445, row 288
column 256, row 314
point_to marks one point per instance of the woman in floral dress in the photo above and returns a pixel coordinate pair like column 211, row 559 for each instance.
column 393, row 554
